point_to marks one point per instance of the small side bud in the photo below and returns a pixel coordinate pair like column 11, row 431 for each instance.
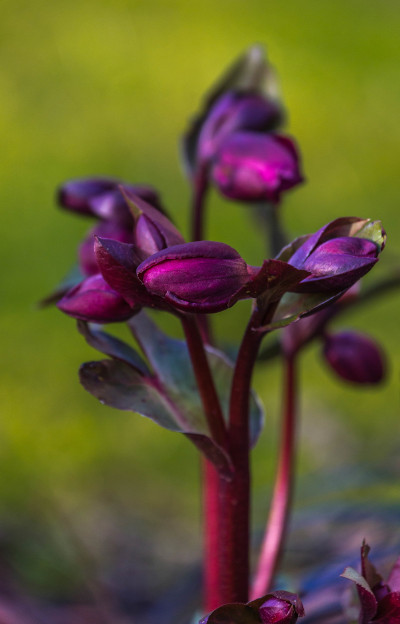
column 354, row 357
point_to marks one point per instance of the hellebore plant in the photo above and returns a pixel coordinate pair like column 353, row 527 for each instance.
column 135, row 259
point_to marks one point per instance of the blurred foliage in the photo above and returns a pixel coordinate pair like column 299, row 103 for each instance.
column 107, row 88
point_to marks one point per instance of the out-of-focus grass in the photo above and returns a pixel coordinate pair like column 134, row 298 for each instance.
column 106, row 88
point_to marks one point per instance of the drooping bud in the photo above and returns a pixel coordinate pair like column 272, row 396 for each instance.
column 101, row 198
column 354, row 357
column 235, row 111
column 94, row 301
column 244, row 98
column 256, row 167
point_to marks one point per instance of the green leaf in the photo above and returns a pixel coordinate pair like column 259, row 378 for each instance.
column 112, row 346
column 293, row 306
column 171, row 363
column 117, row 384
column 373, row 231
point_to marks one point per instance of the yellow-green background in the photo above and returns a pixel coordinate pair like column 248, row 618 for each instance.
column 107, row 87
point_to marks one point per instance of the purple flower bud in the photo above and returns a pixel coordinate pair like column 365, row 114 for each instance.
column 282, row 607
column 203, row 276
column 245, row 98
column 354, row 357
column 101, row 198
column 153, row 230
column 235, row 111
column 338, row 255
column 87, row 257
column 256, row 167
column 94, row 301
column 76, row 194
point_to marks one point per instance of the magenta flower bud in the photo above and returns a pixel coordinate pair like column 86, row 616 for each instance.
column 336, row 256
column 76, row 194
column 276, row 609
column 87, row 258
column 245, row 98
column 354, row 357
column 153, row 230
column 256, row 167
column 94, row 301
column 235, row 111
column 101, row 198
column 203, row 276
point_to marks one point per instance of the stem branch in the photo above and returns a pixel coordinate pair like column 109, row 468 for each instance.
column 281, row 500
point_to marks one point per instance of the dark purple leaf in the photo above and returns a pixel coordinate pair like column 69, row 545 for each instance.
column 113, row 347
column 368, row 601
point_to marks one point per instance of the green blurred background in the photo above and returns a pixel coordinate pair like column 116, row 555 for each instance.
column 107, row 88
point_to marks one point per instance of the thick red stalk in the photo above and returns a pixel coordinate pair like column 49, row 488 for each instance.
column 234, row 501
column 211, row 487
column 211, row 480
column 281, row 500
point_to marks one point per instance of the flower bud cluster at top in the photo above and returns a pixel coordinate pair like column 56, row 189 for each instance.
column 236, row 143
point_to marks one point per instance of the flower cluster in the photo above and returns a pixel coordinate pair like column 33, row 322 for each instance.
column 153, row 267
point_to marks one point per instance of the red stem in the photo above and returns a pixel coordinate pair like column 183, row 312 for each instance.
column 200, row 188
column 234, row 502
column 205, row 381
column 211, row 487
column 212, row 481
column 282, row 496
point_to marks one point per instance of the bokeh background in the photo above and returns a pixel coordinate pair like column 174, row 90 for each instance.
column 107, row 88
